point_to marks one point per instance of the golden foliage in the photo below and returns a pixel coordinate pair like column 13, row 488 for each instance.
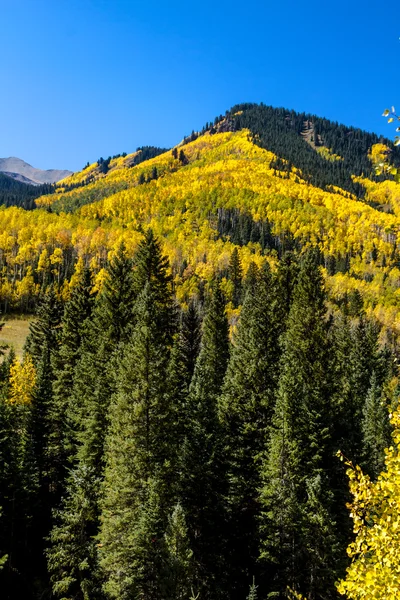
column 375, row 510
column 221, row 171
column 22, row 381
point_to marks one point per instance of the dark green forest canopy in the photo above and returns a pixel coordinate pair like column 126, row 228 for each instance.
column 157, row 457
column 285, row 133
column 16, row 193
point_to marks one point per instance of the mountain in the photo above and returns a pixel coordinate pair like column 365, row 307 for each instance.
column 149, row 453
column 260, row 179
column 16, row 192
column 25, row 173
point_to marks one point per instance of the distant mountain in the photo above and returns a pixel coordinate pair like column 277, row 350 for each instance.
column 17, row 192
column 25, row 173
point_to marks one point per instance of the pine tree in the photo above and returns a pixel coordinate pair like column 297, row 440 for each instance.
column 285, row 282
column 298, row 521
column 118, row 297
column 356, row 358
column 203, row 484
column 253, row 591
column 152, row 267
column 246, row 408
column 45, row 329
column 18, row 495
column 77, row 310
column 72, row 557
column 179, row 556
column 250, row 281
column 190, row 337
column 376, row 429
column 94, row 383
column 236, row 275
column 136, row 451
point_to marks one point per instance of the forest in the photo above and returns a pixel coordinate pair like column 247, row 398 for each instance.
column 202, row 199
column 206, row 407
column 16, row 193
column 149, row 450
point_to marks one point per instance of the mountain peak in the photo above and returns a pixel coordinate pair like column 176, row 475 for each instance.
column 22, row 171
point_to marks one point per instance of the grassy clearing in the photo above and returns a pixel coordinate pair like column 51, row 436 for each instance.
column 15, row 331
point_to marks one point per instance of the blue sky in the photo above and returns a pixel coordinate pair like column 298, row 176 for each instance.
column 82, row 79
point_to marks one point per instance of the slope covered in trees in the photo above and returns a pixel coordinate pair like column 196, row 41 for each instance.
column 16, row 193
column 327, row 153
column 147, row 454
column 219, row 191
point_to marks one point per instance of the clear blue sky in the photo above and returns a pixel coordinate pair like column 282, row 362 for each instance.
column 82, row 79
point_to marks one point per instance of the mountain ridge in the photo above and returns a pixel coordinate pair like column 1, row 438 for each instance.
column 220, row 190
column 25, row 173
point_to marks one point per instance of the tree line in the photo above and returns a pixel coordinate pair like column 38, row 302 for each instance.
column 148, row 452
column 17, row 193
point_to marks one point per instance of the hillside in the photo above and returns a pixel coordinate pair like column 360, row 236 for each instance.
column 22, row 171
column 252, row 180
column 215, row 326
column 16, row 192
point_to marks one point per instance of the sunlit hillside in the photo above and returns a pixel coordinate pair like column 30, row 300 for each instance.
column 203, row 198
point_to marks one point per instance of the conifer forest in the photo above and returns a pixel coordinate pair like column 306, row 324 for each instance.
column 206, row 407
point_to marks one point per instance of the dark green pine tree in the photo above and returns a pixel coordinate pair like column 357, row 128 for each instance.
column 152, row 267
column 103, row 336
column 298, row 523
column 190, row 337
column 356, row 357
column 179, row 556
column 285, row 282
column 77, row 310
column 45, row 329
column 251, row 278
column 236, row 276
column 118, row 297
column 246, row 407
column 18, row 495
column 184, row 352
column 203, row 481
column 132, row 520
column 376, row 429
column 42, row 344
column 72, row 557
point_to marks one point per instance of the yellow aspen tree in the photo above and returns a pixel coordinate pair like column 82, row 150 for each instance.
column 22, row 381
column 375, row 509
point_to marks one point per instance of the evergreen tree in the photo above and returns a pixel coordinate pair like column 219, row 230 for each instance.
column 356, row 358
column 376, row 429
column 77, row 310
column 236, row 275
column 300, row 540
column 253, row 592
column 118, row 297
column 246, row 408
column 179, row 556
column 136, row 452
column 45, row 329
column 152, row 267
column 203, row 483
column 94, row 383
column 72, row 558
column 285, row 282
column 250, row 281
column 18, row 494
column 190, row 337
